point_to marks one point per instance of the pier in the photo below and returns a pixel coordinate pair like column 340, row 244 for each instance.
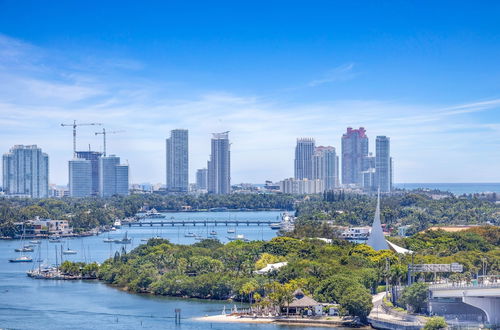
column 162, row 223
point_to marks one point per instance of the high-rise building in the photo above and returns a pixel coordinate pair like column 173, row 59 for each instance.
column 93, row 157
column 219, row 165
column 354, row 151
column 122, row 180
column 177, row 161
column 202, row 179
column 80, row 177
column 383, row 164
column 325, row 166
column 304, row 151
column 26, row 172
column 113, row 177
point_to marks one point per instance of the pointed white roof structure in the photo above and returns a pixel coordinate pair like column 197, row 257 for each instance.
column 377, row 239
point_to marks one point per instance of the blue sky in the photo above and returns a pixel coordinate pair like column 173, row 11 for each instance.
column 426, row 74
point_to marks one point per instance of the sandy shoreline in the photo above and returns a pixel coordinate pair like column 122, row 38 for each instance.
column 298, row 322
column 233, row 319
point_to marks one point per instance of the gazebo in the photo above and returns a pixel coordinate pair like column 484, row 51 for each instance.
column 301, row 302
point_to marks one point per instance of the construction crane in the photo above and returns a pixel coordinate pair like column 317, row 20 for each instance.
column 104, row 137
column 75, row 125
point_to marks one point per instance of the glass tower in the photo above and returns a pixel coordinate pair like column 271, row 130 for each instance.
column 177, row 161
column 219, row 165
column 26, row 172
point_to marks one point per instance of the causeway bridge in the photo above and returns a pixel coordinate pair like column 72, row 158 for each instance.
column 172, row 222
column 459, row 298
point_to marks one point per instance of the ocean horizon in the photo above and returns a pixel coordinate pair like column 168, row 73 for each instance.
column 454, row 188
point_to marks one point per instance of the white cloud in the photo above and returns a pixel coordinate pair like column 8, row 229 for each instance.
column 429, row 142
column 340, row 73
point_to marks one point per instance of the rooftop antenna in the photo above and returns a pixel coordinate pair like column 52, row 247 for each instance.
column 75, row 125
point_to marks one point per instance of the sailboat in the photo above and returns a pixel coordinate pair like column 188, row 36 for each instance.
column 124, row 240
column 24, row 248
column 69, row 251
column 108, row 240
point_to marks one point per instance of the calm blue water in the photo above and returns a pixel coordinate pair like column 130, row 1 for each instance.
column 42, row 304
column 455, row 188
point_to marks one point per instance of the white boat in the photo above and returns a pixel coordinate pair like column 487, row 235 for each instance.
column 190, row 234
column 117, row 223
column 35, row 242
column 153, row 214
column 21, row 259
column 108, row 240
column 231, row 230
column 69, row 251
column 54, row 239
column 124, row 240
column 275, row 226
column 239, row 237
column 213, row 233
column 26, row 248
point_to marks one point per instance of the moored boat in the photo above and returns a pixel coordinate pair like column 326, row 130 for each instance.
column 124, row 240
column 69, row 251
column 26, row 248
column 275, row 226
column 239, row 237
column 21, row 259
column 54, row 239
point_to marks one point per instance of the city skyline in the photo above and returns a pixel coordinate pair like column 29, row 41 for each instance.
column 406, row 76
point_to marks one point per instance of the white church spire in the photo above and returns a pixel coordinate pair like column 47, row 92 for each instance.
column 377, row 239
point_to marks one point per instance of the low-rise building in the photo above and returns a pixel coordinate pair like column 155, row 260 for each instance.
column 45, row 227
column 302, row 186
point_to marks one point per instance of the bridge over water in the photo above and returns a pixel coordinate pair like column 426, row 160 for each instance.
column 455, row 299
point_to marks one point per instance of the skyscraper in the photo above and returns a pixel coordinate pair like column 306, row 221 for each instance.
column 93, row 157
column 80, row 177
column 202, row 179
column 325, row 166
column 219, row 165
column 177, row 161
column 122, row 179
column 113, row 177
column 383, row 166
column 354, row 151
column 26, row 171
column 304, row 151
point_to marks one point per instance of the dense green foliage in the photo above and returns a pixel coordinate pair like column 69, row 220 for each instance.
column 210, row 269
column 88, row 213
column 436, row 323
column 415, row 296
column 420, row 211
column 478, row 249
column 80, row 269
